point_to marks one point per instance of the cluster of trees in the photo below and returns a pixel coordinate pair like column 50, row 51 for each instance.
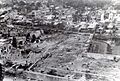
column 88, row 3
column 31, row 39
column 28, row 39
column 25, row 5
column 1, row 72
column 74, row 3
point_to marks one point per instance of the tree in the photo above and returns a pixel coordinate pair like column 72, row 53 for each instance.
column 60, row 26
column 22, row 3
column 29, row 9
column 88, row 3
column 33, row 38
column 14, row 42
column 75, row 17
column 1, row 73
column 28, row 37
column 38, row 4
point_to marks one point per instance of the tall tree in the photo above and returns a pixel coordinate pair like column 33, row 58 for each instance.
column 28, row 37
column 33, row 38
column 14, row 42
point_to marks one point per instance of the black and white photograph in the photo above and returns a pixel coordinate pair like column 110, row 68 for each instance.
column 59, row 40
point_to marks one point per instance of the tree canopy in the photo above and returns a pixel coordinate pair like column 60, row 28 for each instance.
column 89, row 3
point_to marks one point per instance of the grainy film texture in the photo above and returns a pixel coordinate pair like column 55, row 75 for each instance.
column 59, row 40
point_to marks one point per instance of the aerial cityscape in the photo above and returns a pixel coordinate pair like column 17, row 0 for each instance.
column 59, row 40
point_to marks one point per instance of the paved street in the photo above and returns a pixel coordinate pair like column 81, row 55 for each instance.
column 12, row 79
column 8, row 79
